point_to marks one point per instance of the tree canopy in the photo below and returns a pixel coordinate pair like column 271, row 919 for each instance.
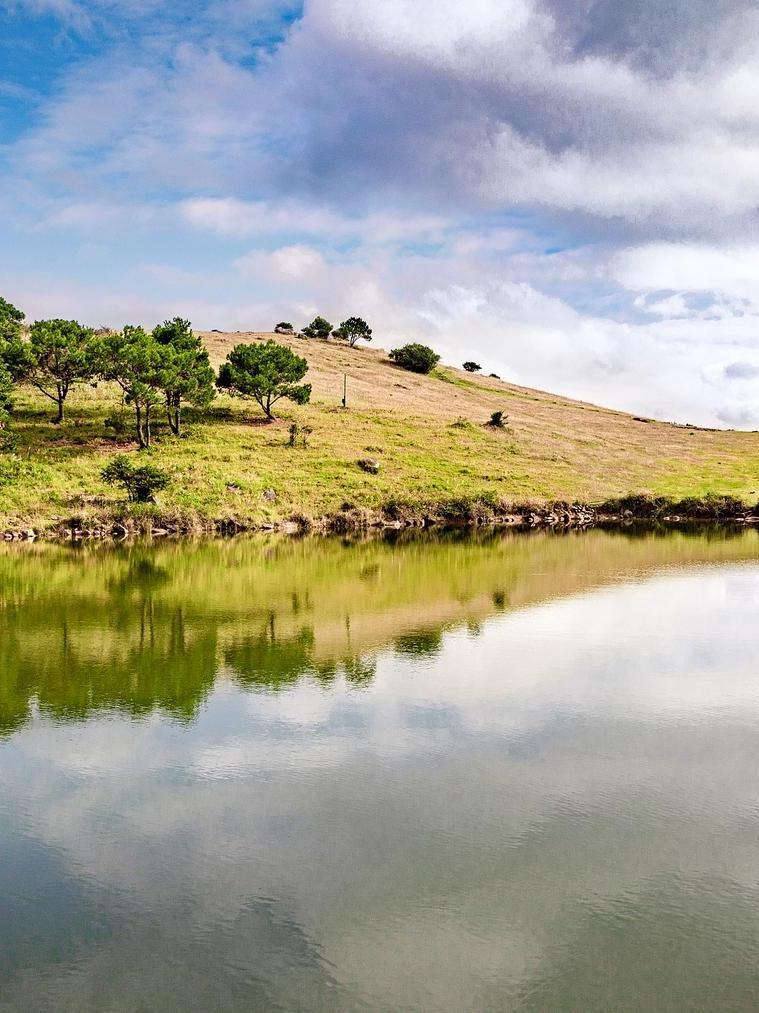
column 472, row 367
column 132, row 359
column 318, row 328
column 10, row 321
column 185, row 373
column 58, row 355
column 265, row 373
column 354, row 329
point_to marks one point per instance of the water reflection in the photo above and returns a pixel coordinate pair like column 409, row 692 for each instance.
column 151, row 628
column 496, row 773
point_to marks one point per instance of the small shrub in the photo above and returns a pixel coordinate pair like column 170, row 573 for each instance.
column 472, row 367
column 303, row 522
column 295, row 431
column 498, row 420
column 461, row 424
column 494, row 376
column 117, row 424
column 141, row 483
column 415, row 357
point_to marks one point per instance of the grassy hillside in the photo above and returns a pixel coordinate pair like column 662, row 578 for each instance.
column 428, row 432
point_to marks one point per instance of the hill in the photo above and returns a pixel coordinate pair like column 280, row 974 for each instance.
column 427, row 432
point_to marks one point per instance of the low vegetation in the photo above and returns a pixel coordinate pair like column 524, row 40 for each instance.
column 141, row 482
column 415, row 357
column 251, row 430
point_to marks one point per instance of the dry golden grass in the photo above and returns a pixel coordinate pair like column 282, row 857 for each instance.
column 589, row 452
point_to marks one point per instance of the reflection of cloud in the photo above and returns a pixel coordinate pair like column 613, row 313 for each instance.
column 588, row 760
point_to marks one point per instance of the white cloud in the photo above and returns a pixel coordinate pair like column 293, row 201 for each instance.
column 289, row 262
column 686, row 267
column 229, row 216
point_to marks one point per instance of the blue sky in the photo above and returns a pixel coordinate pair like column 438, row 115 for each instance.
column 565, row 190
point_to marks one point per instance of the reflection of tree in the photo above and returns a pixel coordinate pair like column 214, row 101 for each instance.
column 142, row 575
column 360, row 671
column 268, row 660
column 420, row 643
column 74, row 665
column 142, row 627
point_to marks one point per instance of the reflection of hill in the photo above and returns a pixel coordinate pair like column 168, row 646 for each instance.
column 138, row 628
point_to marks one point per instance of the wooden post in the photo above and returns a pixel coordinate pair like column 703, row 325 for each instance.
column 345, row 390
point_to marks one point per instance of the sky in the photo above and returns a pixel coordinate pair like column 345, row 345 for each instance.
column 565, row 191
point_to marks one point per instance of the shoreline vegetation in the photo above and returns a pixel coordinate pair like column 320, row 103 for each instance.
column 368, row 442
column 648, row 513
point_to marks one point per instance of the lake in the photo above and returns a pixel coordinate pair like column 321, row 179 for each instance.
column 464, row 772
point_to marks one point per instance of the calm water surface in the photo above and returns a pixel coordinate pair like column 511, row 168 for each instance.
column 505, row 773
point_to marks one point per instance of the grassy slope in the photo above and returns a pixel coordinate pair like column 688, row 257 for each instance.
column 428, row 432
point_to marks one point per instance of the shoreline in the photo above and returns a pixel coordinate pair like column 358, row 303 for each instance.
column 628, row 512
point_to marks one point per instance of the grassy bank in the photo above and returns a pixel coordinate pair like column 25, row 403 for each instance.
column 428, row 432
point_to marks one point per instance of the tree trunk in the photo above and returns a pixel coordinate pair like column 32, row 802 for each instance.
column 147, row 425
column 174, row 412
column 140, row 435
column 60, row 399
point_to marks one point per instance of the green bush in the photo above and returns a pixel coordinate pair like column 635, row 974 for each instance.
column 141, row 483
column 472, row 367
column 415, row 357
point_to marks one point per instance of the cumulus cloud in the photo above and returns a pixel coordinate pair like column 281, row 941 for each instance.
column 489, row 104
column 681, row 267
